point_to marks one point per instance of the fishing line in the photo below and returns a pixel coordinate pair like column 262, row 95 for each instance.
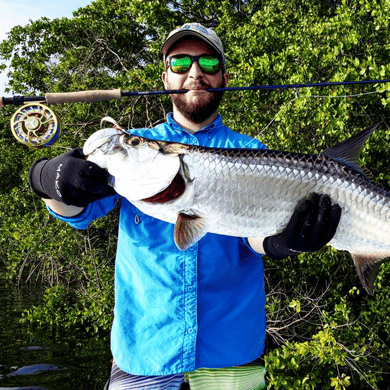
column 298, row 96
column 269, row 124
column 342, row 96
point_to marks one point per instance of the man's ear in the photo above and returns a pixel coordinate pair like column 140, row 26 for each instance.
column 226, row 77
column 164, row 76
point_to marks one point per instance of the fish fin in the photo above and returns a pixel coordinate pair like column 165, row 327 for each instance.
column 189, row 229
column 348, row 151
column 367, row 268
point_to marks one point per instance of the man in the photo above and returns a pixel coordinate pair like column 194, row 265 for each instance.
column 179, row 311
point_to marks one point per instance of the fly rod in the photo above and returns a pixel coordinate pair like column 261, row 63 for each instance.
column 100, row 95
column 36, row 125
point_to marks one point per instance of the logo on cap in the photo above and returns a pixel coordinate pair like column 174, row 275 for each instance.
column 195, row 26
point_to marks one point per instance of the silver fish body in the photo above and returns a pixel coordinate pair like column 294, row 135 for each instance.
column 252, row 193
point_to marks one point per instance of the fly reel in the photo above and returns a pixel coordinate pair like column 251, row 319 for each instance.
column 36, row 125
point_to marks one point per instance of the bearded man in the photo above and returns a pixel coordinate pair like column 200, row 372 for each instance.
column 194, row 317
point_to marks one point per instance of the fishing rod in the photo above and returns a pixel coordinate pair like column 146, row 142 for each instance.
column 36, row 125
column 100, row 95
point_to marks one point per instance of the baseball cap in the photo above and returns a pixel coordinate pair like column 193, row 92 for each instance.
column 197, row 30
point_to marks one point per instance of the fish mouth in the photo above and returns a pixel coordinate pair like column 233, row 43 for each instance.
column 173, row 191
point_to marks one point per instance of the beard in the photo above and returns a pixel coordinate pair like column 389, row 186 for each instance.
column 200, row 109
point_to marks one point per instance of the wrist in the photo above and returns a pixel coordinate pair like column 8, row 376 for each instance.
column 35, row 178
column 62, row 209
column 275, row 251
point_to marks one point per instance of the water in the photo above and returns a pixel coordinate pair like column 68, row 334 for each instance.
column 36, row 359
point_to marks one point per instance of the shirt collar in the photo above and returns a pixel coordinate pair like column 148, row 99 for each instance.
column 212, row 126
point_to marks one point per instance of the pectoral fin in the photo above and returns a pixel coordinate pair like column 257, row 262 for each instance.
column 367, row 268
column 189, row 229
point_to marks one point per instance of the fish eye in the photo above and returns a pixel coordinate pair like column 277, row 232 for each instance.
column 135, row 141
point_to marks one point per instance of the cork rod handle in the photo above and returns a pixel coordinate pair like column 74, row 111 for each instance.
column 84, row 96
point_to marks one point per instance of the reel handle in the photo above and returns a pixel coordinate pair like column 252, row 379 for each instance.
column 83, row 96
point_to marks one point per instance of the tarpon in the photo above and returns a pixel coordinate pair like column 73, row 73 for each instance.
column 248, row 192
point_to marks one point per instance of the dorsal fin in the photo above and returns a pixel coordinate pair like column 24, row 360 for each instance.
column 348, row 151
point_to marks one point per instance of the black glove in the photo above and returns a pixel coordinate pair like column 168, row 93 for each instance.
column 312, row 225
column 70, row 179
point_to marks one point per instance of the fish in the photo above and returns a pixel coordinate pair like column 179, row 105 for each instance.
column 248, row 192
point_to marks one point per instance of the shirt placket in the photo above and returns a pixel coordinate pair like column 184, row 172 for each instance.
column 190, row 303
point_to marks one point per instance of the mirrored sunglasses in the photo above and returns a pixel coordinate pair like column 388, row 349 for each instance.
column 182, row 63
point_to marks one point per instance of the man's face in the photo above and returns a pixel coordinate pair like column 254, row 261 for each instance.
column 197, row 105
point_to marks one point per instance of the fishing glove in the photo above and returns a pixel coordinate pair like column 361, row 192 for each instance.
column 70, row 179
column 312, row 225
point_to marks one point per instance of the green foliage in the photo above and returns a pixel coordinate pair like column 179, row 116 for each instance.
column 324, row 332
column 308, row 365
column 328, row 297
column 89, row 308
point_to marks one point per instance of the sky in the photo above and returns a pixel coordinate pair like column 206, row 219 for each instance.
column 20, row 12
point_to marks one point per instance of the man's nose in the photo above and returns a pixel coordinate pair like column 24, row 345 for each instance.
column 195, row 71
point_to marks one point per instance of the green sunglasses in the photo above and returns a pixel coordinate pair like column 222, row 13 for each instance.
column 182, row 63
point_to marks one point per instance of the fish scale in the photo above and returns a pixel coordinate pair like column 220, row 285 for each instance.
column 253, row 193
column 364, row 226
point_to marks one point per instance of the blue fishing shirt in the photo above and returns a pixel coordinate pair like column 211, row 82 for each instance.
column 177, row 311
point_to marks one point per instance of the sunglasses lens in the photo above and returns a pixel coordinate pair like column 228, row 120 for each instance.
column 209, row 64
column 180, row 64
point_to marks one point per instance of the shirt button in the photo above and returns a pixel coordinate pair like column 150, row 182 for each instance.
column 190, row 331
column 189, row 288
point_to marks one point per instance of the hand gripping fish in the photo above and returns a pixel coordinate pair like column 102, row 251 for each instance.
column 248, row 192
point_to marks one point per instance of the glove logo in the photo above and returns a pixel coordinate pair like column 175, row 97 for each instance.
column 56, row 185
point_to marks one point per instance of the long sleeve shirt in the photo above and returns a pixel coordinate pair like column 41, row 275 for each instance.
column 176, row 311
